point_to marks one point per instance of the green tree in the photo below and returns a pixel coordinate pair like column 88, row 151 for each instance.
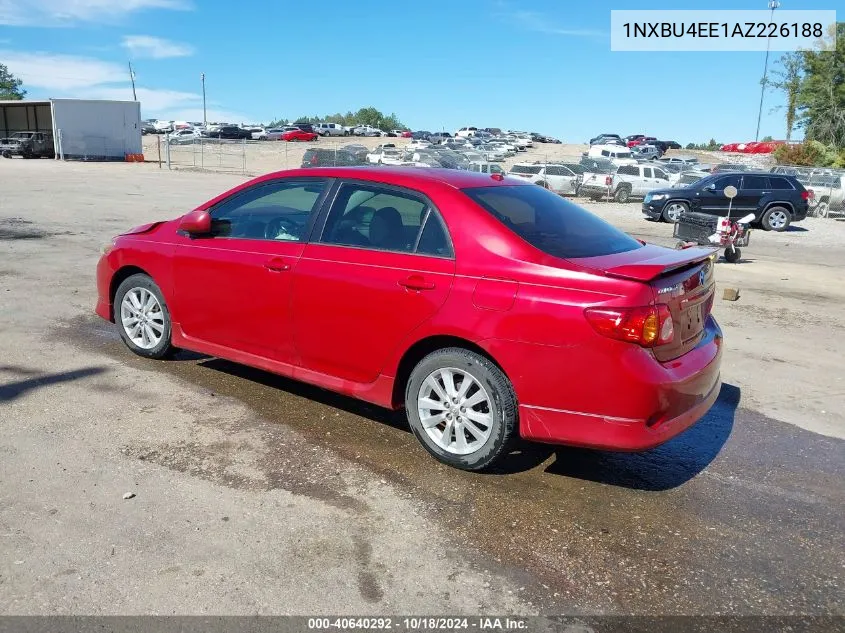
column 821, row 98
column 788, row 75
column 10, row 86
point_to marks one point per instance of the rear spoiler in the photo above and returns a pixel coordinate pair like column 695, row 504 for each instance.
column 666, row 262
column 645, row 263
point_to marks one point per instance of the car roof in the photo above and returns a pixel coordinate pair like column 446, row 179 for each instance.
column 399, row 176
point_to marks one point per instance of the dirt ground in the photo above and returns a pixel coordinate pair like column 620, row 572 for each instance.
column 254, row 494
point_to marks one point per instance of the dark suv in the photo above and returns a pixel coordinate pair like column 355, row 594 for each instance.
column 775, row 200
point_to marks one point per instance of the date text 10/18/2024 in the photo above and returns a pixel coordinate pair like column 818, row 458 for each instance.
column 418, row 624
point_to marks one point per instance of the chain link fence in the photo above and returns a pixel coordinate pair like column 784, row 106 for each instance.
column 206, row 153
column 826, row 186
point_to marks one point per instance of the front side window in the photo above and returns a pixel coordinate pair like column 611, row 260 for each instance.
column 279, row 210
column 725, row 181
column 550, row 223
column 370, row 216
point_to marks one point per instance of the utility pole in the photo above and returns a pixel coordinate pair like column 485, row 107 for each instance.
column 132, row 79
column 204, row 117
column 773, row 4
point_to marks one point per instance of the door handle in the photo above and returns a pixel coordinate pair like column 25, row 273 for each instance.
column 416, row 282
column 277, row 265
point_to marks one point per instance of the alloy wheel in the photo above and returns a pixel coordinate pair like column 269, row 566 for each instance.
column 142, row 318
column 455, row 411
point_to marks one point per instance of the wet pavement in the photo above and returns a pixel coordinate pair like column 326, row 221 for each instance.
column 742, row 514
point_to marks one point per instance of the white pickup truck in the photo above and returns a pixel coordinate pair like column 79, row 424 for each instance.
column 624, row 183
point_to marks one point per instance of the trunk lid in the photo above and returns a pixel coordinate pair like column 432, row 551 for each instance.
column 681, row 279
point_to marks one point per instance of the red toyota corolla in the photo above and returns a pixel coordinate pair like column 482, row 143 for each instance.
column 485, row 306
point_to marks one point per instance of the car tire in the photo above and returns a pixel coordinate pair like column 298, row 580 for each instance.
column 622, row 194
column 822, row 209
column 136, row 296
column 672, row 212
column 486, row 435
column 776, row 219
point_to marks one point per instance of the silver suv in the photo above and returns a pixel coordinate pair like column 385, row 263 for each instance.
column 562, row 178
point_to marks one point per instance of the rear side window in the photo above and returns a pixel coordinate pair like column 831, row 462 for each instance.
column 372, row 217
column 628, row 170
column 754, row 182
column 526, row 169
column 779, row 183
column 550, row 223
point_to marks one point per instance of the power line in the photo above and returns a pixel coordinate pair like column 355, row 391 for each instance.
column 773, row 4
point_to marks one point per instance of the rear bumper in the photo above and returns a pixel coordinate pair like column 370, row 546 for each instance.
column 593, row 190
column 667, row 398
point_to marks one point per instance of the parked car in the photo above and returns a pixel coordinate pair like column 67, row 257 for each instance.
column 685, row 179
column 555, row 177
column 466, row 132
column 449, row 295
column 619, row 154
column 294, row 133
column 607, row 139
column 275, row 133
column 775, row 200
column 728, row 167
column 329, row 129
column 366, row 130
column 258, row 133
column 421, row 134
column 439, row 137
column 418, row 144
column 230, row 132
column 682, row 160
column 28, row 145
column 183, row 137
column 628, row 181
column 486, row 168
column 163, row 127
column 148, row 127
column 318, row 157
column 828, row 194
column 648, row 152
column 385, row 155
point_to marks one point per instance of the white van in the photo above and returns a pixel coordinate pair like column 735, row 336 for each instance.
column 616, row 153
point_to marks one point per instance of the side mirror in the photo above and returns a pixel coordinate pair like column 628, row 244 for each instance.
column 196, row 223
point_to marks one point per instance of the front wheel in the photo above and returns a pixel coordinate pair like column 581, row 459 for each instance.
column 673, row 211
column 462, row 408
column 142, row 317
column 776, row 219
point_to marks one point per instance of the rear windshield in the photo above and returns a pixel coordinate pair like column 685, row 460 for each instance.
column 550, row 223
column 526, row 169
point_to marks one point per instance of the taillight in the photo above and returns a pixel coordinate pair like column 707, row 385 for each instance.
column 314, row 160
column 806, row 195
column 647, row 326
column 608, row 180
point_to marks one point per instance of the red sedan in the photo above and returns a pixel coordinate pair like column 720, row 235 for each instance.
column 486, row 307
column 295, row 134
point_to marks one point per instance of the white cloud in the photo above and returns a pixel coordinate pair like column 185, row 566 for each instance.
column 67, row 12
column 155, row 47
column 61, row 72
column 50, row 75
column 539, row 23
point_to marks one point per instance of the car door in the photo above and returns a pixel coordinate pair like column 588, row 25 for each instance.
column 753, row 188
column 711, row 197
column 661, row 179
column 381, row 267
column 233, row 288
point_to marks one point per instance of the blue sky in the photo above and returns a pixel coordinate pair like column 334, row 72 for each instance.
column 542, row 66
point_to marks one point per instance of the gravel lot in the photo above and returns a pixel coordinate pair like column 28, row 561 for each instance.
column 254, row 494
